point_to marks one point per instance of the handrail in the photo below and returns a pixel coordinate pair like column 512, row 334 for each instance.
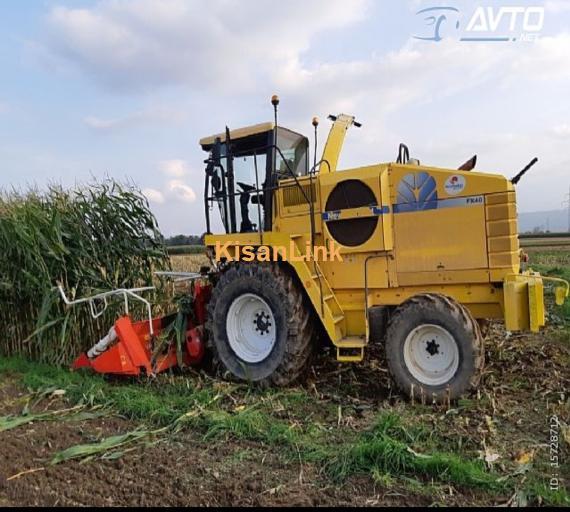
column 313, row 170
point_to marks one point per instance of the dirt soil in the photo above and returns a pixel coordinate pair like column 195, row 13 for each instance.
column 524, row 375
column 183, row 471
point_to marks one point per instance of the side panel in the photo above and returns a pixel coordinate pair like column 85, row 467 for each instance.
column 439, row 220
column 452, row 227
column 441, row 240
column 502, row 234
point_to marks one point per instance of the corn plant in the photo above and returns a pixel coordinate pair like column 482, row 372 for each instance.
column 92, row 239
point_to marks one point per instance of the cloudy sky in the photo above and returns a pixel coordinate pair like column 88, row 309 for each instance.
column 127, row 87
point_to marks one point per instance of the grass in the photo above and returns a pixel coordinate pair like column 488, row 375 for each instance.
column 540, row 491
column 385, row 448
column 158, row 405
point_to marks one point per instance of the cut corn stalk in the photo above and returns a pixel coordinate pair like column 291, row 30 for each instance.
column 72, row 414
column 103, row 447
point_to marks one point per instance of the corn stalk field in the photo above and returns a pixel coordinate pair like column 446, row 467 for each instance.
column 92, row 239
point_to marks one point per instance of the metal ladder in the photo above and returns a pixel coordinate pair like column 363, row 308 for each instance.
column 349, row 348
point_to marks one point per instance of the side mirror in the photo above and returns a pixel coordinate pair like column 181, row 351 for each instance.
column 217, row 153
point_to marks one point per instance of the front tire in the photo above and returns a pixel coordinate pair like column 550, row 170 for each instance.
column 260, row 324
column 434, row 349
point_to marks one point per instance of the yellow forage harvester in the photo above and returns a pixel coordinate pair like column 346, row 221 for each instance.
column 429, row 255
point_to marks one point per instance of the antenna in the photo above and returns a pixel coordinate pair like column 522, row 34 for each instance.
column 518, row 177
column 275, row 103
column 230, row 175
column 316, row 126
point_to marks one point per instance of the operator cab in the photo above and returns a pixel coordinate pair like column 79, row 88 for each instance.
column 243, row 170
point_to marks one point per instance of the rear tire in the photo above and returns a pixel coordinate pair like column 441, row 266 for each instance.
column 434, row 349
column 260, row 324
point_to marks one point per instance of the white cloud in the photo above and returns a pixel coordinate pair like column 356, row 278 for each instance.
column 557, row 6
column 174, row 168
column 97, row 123
column 153, row 195
column 174, row 189
column 150, row 116
column 226, row 44
column 546, row 60
column 181, row 191
column 420, row 72
column 562, row 131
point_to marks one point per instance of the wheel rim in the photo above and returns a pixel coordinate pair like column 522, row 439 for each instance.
column 431, row 355
column 251, row 328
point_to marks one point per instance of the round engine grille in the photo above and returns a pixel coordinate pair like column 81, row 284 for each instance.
column 347, row 195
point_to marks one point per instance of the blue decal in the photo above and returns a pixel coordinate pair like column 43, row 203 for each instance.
column 444, row 203
column 377, row 210
column 336, row 215
column 327, row 216
column 416, row 192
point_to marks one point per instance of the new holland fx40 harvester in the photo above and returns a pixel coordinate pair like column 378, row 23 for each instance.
column 416, row 256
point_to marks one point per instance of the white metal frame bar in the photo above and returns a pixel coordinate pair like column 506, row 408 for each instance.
column 132, row 293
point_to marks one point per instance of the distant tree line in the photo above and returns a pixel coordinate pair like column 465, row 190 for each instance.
column 537, row 230
column 541, row 233
column 179, row 240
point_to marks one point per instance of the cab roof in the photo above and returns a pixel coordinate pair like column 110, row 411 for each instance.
column 239, row 133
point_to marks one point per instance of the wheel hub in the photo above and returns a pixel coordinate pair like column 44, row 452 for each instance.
column 431, row 355
column 432, row 348
column 250, row 327
column 262, row 323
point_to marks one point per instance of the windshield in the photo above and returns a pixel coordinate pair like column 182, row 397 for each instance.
column 295, row 151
